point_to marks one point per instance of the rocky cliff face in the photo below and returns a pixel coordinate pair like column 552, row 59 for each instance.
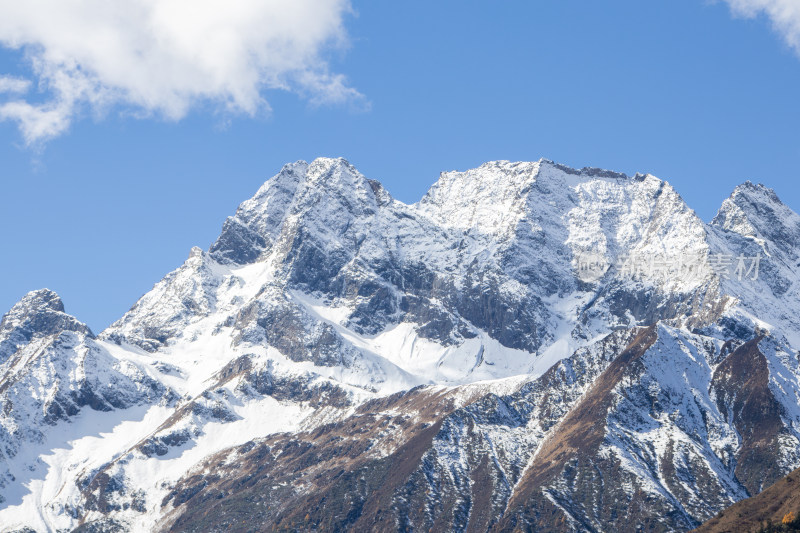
column 528, row 347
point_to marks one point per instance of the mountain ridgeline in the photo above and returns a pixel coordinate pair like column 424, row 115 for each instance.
column 529, row 347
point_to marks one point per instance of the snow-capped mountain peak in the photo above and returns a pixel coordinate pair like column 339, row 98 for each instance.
column 39, row 313
column 756, row 212
column 322, row 196
column 451, row 340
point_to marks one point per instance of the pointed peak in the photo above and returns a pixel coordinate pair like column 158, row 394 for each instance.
column 754, row 210
column 40, row 300
column 39, row 313
column 324, row 192
column 337, row 178
column 747, row 197
column 334, row 172
column 44, row 309
column 755, row 191
column 196, row 251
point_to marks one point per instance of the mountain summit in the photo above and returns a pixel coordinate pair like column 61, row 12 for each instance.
column 529, row 346
column 38, row 314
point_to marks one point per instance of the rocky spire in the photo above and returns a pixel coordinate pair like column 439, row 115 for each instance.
column 38, row 314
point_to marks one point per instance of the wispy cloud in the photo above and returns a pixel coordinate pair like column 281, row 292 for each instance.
column 163, row 57
column 784, row 15
column 10, row 84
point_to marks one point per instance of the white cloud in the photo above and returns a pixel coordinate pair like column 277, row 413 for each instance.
column 784, row 15
column 10, row 84
column 162, row 57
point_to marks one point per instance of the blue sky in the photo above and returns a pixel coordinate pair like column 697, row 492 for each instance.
column 104, row 203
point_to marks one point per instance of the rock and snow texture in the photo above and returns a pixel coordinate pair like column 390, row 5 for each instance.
column 654, row 388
